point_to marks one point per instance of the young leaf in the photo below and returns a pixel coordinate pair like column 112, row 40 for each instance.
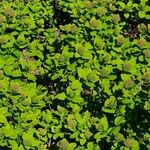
column 141, row 14
column 119, row 120
column 104, row 123
column 3, row 119
column 76, row 84
column 61, row 96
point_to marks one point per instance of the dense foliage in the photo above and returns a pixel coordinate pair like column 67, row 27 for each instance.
column 74, row 74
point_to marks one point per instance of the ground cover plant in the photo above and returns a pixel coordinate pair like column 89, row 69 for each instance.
column 74, row 74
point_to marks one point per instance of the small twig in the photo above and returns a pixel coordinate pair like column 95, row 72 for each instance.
column 49, row 107
column 49, row 143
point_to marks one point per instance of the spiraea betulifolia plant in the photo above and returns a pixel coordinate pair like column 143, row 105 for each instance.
column 74, row 75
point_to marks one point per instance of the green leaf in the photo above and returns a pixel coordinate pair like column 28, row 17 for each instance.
column 125, row 77
column 77, row 99
column 108, row 110
column 147, row 106
column 3, row 119
column 21, row 38
column 30, row 76
column 132, row 144
column 86, row 116
column 126, row 15
column 99, row 135
column 10, row 132
column 92, row 77
column 55, row 76
column 74, row 135
column 90, row 145
column 119, row 120
column 99, row 42
column 79, row 118
column 61, row 110
column 14, row 144
column 129, row 4
column 47, row 116
column 141, row 14
column 112, row 77
column 38, row 53
column 70, row 92
column 72, row 146
column 27, row 101
column 4, row 39
column 8, row 70
column 104, row 123
column 87, row 55
column 115, row 130
column 88, row 134
column 71, row 122
column 61, row 96
column 110, row 102
column 141, row 58
column 3, row 110
column 75, row 107
column 121, row 4
column 127, row 101
column 30, row 22
column 29, row 140
column 76, row 84
column 82, row 141
column 10, row 61
column 106, row 86
column 16, row 73
column 81, row 73
column 63, row 144
column 2, row 62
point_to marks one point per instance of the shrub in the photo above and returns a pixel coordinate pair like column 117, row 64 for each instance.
column 74, row 75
